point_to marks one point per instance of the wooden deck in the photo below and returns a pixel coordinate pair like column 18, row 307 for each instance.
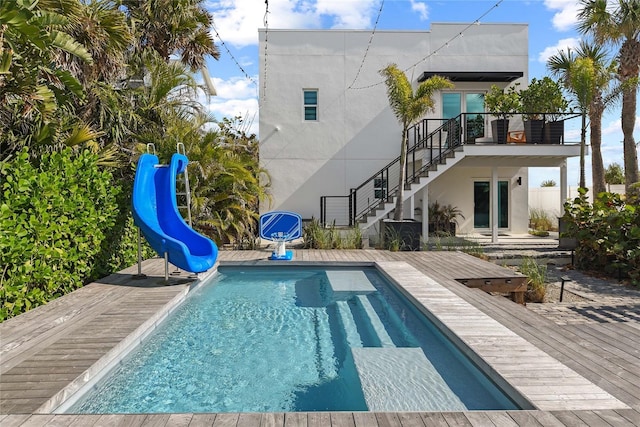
column 51, row 351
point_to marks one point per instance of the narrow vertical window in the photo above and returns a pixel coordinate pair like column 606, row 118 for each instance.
column 310, row 104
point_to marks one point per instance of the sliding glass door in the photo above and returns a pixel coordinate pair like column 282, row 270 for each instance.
column 482, row 204
column 471, row 103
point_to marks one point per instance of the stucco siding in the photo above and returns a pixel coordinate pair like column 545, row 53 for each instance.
column 356, row 133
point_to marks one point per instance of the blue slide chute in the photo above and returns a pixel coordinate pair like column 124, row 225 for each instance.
column 155, row 211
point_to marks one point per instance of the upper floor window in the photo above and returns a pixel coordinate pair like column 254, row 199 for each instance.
column 310, row 104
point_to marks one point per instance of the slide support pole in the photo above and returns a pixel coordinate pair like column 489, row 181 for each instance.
column 139, row 275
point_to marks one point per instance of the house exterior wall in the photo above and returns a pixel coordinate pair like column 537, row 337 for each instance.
column 462, row 178
column 356, row 133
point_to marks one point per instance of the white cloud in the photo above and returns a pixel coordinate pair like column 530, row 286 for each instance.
column 616, row 127
column 235, row 88
column 247, row 108
column 566, row 13
column 562, row 44
column 237, row 21
column 353, row 14
column 421, row 8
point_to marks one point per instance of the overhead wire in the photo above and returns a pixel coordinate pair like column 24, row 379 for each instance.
column 434, row 52
column 266, row 43
column 366, row 52
column 247, row 76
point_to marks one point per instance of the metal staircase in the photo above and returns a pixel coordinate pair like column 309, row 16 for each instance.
column 431, row 153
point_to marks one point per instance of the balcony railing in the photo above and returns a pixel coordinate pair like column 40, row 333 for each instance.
column 430, row 142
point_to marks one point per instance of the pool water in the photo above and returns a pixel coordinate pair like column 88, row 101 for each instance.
column 284, row 339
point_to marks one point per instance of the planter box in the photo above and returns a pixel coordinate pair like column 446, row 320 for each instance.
column 499, row 129
column 569, row 243
column 553, row 132
column 450, row 229
column 408, row 232
column 533, row 131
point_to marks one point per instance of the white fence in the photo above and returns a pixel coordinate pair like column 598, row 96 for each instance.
column 548, row 198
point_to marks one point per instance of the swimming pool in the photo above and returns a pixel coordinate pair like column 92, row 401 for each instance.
column 272, row 339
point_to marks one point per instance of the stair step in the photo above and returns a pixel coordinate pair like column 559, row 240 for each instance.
column 349, row 282
column 402, row 379
column 378, row 328
column 349, row 324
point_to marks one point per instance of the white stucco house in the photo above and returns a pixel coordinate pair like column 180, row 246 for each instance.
column 329, row 139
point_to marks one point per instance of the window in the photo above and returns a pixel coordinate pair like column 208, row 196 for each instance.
column 310, row 104
column 380, row 188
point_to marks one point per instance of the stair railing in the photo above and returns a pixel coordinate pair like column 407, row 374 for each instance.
column 427, row 148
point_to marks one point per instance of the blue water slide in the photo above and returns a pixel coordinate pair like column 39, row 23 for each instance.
column 155, row 211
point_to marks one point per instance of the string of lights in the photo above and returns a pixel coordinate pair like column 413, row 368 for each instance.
column 435, row 52
column 266, row 44
column 247, row 76
column 375, row 26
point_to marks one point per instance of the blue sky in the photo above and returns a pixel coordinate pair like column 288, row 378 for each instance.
column 235, row 75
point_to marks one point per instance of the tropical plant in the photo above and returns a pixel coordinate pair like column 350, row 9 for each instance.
column 441, row 217
column 502, row 103
column 59, row 213
column 227, row 182
column 408, row 106
column 614, row 174
column 37, row 92
column 168, row 27
column 587, row 74
column 618, row 23
column 607, row 233
column 542, row 97
column 548, row 183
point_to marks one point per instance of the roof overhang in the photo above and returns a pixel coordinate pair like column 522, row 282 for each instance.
column 474, row 76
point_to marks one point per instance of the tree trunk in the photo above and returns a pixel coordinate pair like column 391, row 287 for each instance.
column 629, row 68
column 629, row 99
column 398, row 214
column 583, row 141
column 597, row 167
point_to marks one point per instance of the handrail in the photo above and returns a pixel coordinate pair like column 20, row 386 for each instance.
column 376, row 189
column 438, row 137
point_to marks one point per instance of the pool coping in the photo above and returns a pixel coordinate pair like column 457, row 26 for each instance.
column 530, row 376
column 516, row 365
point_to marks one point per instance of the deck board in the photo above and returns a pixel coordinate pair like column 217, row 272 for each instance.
column 50, row 346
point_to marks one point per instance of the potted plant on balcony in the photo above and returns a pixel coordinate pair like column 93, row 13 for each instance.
column 408, row 106
column 557, row 104
column 542, row 100
column 502, row 104
column 532, row 104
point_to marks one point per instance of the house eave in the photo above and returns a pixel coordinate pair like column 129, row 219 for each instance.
column 474, row 76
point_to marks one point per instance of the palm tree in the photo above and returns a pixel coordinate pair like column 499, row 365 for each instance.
column 36, row 90
column 619, row 26
column 170, row 27
column 408, row 107
column 587, row 74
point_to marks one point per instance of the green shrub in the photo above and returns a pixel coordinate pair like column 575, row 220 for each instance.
column 536, row 279
column 607, row 234
column 54, row 218
column 119, row 248
column 539, row 220
column 316, row 236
